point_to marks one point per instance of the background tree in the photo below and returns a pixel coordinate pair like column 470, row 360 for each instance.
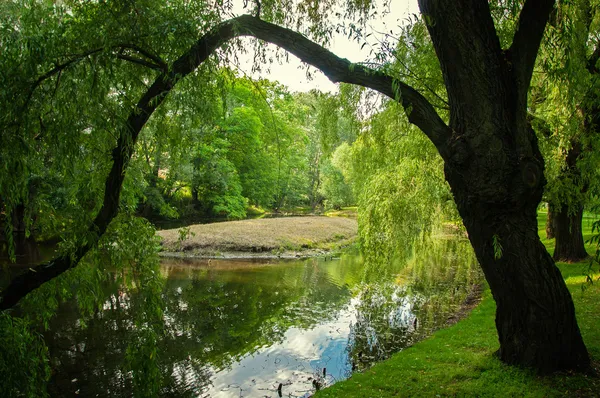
column 565, row 106
column 337, row 184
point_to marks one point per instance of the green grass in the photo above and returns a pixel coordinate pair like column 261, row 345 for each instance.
column 350, row 211
column 459, row 361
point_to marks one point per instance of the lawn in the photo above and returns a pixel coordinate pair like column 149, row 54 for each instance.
column 459, row 361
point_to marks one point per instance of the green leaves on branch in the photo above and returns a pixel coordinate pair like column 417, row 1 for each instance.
column 400, row 188
column 23, row 359
column 497, row 246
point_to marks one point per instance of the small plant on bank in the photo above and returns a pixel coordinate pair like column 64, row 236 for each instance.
column 184, row 234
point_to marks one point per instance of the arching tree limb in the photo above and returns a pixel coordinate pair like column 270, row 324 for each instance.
column 420, row 112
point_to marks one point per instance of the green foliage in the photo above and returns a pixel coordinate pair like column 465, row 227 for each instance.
column 400, row 187
column 497, row 247
column 243, row 129
column 335, row 188
column 216, row 181
column 594, row 261
column 142, row 359
column 396, row 172
column 126, row 255
column 70, row 72
column 23, row 359
column 331, row 122
column 415, row 62
column 184, row 234
column 335, row 185
column 565, row 105
column 248, row 133
column 73, row 71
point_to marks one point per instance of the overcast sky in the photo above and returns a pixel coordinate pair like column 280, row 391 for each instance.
column 293, row 74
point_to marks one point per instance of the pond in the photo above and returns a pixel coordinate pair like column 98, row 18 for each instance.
column 235, row 328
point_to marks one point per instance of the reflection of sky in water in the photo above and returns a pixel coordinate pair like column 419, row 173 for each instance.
column 295, row 362
column 236, row 329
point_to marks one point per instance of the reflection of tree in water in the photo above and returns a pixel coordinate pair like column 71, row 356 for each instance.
column 211, row 318
column 216, row 317
column 216, row 314
column 84, row 352
column 384, row 325
column 430, row 288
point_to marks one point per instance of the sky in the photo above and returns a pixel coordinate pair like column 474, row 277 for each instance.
column 293, row 74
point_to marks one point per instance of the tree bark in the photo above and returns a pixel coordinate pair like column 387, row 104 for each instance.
column 18, row 219
column 492, row 160
column 550, row 222
column 568, row 217
column 497, row 178
column 535, row 316
column 569, row 245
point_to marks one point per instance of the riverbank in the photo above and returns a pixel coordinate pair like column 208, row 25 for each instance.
column 286, row 237
column 460, row 361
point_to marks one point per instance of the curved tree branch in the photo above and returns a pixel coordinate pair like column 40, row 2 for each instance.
column 140, row 61
column 155, row 58
column 420, row 112
column 157, row 64
column 58, row 68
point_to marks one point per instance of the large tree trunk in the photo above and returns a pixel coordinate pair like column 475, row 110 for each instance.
column 495, row 170
column 569, row 245
column 535, row 317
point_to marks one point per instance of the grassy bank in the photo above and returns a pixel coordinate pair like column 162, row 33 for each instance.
column 459, row 361
column 294, row 236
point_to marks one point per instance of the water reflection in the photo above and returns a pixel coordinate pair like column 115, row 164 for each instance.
column 246, row 328
column 27, row 253
column 426, row 293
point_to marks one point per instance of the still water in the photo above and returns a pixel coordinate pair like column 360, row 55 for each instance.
column 261, row 328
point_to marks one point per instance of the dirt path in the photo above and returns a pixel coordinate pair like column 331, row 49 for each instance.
column 267, row 237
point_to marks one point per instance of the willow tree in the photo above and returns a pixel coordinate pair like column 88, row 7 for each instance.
column 491, row 157
column 397, row 173
column 566, row 110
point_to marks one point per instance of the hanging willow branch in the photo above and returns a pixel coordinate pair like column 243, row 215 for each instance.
column 419, row 111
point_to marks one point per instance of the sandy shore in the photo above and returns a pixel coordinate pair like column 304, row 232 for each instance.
column 286, row 237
